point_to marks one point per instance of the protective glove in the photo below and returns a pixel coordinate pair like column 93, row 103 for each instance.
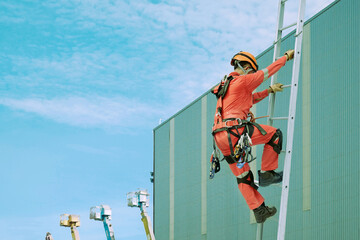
column 289, row 54
column 277, row 87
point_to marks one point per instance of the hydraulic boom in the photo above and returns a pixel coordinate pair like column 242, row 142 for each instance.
column 103, row 213
column 48, row 236
column 72, row 221
column 140, row 199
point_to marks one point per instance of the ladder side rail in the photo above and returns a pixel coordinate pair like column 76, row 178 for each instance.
column 259, row 231
column 291, row 121
column 277, row 47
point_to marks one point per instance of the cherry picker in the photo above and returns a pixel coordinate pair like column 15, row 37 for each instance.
column 140, row 199
column 48, row 236
column 72, row 221
column 103, row 213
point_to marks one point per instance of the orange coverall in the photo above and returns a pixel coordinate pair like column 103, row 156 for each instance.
column 236, row 104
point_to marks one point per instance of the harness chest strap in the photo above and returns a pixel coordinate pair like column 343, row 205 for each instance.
column 220, row 92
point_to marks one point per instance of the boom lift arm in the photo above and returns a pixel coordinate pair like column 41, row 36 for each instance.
column 140, row 199
column 48, row 236
column 103, row 213
column 72, row 221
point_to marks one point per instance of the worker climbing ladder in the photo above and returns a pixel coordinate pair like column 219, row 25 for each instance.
column 292, row 107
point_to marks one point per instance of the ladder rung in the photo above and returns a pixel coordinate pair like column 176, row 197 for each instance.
column 289, row 26
column 283, row 151
column 286, row 86
column 274, row 184
column 279, row 118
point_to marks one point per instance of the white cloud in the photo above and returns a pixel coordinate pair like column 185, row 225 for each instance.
column 233, row 21
column 202, row 35
column 174, row 52
column 90, row 150
column 89, row 112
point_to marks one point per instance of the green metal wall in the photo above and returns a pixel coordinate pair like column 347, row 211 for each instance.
column 324, row 181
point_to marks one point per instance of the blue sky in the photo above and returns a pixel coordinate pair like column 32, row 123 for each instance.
column 84, row 82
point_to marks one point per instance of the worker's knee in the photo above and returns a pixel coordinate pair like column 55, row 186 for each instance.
column 276, row 141
column 247, row 179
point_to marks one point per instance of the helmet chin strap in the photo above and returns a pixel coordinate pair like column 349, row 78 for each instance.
column 242, row 69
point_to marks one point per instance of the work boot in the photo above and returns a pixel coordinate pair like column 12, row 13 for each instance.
column 263, row 212
column 269, row 177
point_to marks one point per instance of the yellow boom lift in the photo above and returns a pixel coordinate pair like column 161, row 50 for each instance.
column 140, row 199
column 72, row 221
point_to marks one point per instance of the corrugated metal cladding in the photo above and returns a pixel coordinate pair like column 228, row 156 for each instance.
column 324, row 186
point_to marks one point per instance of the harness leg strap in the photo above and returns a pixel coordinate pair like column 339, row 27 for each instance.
column 276, row 146
column 245, row 181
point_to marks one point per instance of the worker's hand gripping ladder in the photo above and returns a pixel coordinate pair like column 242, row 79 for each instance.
column 292, row 107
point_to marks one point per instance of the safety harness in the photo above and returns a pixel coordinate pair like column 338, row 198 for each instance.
column 241, row 152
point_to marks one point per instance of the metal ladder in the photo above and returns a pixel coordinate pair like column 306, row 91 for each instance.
column 292, row 108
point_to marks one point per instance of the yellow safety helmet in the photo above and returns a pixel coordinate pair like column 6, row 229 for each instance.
column 245, row 57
